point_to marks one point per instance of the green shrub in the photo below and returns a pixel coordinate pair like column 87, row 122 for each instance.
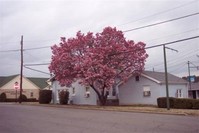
column 162, row 102
column 23, row 98
column 183, row 103
column 32, row 100
column 63, row 97
column 11, row 100
column 28, row 100
column 3, row 97
column 45, row 96
column 178, row 103
column 196, row 104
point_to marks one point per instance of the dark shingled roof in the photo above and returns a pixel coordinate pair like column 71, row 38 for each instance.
column 160, row 76
column 4, row 80
column 40, row 82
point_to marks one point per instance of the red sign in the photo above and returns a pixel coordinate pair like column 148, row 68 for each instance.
column 16, row 85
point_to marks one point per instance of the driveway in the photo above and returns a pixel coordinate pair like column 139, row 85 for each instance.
column 37, row 119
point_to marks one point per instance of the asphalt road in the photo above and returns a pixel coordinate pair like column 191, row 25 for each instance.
column 37, row 119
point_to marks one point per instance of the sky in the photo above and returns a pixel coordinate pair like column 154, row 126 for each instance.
column 43, row 22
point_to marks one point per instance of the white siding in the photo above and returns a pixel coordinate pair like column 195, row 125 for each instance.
column 131, row 92
column 173, row 89
column 78, row 97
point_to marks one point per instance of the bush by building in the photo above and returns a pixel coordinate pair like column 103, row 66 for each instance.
column 45, row 96
column 183, row 103
column 196, row 104
column 63, row 97
column 3, row 97
column 32, row 100
column 162, row 102
column 178, row 103
column 23, row 98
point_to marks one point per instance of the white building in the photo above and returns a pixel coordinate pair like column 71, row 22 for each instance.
column 146, row 88
column 142, row 89
column 30, row 86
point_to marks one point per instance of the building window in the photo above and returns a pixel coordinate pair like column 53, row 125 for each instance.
column 137, row 78
column 87, row 88
column 146, row 91
column 31, row 94
column 73, row 91
column 87, row 94
column 107, row 93
column 114, row 90
column 179, row 93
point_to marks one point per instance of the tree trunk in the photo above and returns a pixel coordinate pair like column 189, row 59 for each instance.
column 102, row 100
column 102, row 97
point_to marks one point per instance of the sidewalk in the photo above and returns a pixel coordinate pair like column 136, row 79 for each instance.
column 137, row 109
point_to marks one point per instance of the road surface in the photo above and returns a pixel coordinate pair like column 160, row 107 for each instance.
column 37, row 119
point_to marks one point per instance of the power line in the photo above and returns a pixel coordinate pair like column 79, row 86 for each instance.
column 5, row 51
column 174, row 62
column 181, row 40
column 28, row 49
column 146, row 26
column 38, row 64
column 37, row 48
column 162, row 12
column 29, row 41
column 36, row 70
column 167, row 36
column 158, row 45
column 162, row 22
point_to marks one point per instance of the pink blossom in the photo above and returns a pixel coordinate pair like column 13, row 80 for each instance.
column 97, row 60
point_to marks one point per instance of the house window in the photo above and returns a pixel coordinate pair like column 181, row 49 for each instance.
column 179, row 93
column 31, row 94
column 146, row 91
column 73, row 91
column 137, row 78
column 114, row 90
column 87, row 88
column 87, row 94
column 107, row 93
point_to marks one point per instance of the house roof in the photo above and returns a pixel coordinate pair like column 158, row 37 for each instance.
column 4, row 80
column 159, row 77
column 40, row 82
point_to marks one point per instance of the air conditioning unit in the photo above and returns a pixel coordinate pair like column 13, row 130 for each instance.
column 87, row 94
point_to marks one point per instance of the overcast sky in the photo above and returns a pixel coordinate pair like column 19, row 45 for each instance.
column 43, row 22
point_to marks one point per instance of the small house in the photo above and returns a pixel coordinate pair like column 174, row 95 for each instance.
column 147, row 87
column 138, row 89
column 10, row 85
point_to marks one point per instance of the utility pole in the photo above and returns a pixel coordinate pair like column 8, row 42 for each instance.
column 189, row 75
column 166, row 78
column 21, row 71
column 166, row 75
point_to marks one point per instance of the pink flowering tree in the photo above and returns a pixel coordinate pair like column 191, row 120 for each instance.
column 97, row 60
